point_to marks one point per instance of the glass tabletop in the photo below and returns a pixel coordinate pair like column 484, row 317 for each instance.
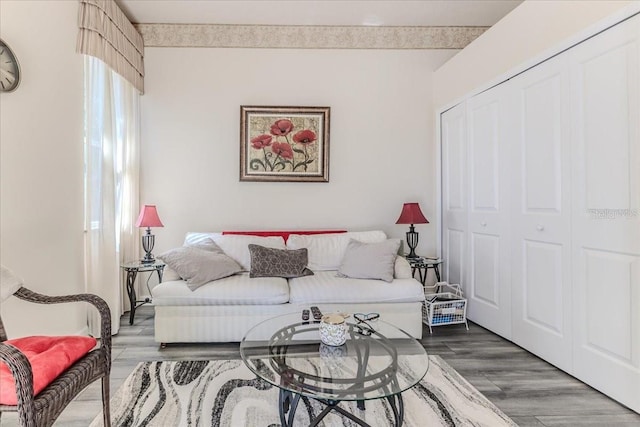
column 287, row 352
column 423, row 262
column 143, row 266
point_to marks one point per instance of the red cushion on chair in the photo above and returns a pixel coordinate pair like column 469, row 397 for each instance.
column 49, row 357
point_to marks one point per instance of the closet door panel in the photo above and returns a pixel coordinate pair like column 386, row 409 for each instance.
column 605, row 75
column 456, row 257
column 454, row 194
column 541, row 140
column 616, row 271
column 543, row 303
column 540, row 212
column 488, row 290
column 485, row 256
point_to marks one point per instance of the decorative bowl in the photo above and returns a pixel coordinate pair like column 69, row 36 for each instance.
column 333, row 329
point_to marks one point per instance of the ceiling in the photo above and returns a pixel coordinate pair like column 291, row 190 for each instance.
column 320, row 12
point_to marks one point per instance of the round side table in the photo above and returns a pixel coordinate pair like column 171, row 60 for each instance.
column 422, row 265
column 132, row 269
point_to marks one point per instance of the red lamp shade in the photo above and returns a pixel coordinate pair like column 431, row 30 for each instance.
column 149, row 217
column 411, row 214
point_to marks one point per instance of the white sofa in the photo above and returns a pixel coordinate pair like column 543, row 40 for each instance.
column 224, row 310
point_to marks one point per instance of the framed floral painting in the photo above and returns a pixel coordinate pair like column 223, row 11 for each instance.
column 284, row 144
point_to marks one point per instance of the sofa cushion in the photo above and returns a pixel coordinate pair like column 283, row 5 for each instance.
column 194, row 238
column 269, row 262
column 238, row 289
column 199, row 266
column 237, row 246
column 327, row 287
column 48, row 356
column 207, row 244
column 327, row 250
column 370, row 260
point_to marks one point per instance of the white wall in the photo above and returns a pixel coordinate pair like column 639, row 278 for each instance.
column 41, row 184
column 528, row 31
column 381, row 151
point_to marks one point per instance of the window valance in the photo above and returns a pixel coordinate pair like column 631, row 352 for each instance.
column 106, row 33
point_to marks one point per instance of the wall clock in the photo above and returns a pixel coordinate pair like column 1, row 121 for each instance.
column 9, row 69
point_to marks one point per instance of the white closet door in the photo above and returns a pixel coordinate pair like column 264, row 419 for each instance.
column 454, row 193
column 488, row 287
column 605, row 74
column 540, row 216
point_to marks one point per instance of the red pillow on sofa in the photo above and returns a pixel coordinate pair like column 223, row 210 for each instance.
column 284, row 234
column 49, row 357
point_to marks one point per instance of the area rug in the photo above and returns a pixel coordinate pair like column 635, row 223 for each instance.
column 226, row 393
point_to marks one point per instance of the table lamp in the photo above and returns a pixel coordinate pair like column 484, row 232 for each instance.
column 411, row 214
column 148, row 218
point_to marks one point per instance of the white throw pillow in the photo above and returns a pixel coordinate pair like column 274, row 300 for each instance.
column 9, row 283
column 327, row 250
column 237, row 246
column 193, row 238
column 402, row 269
column 370, row 260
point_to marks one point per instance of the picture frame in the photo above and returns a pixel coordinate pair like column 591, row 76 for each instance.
column 284, row 144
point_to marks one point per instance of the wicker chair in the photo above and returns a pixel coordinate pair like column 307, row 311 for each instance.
column 43, row 409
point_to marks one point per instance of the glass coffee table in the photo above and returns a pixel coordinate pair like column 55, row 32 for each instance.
column 377, row 362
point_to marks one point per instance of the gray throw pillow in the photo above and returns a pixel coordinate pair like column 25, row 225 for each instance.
column 370, row 260
column 199, row 266
column 270, row 262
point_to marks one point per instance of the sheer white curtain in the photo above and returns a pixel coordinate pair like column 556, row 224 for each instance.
column 112, row 141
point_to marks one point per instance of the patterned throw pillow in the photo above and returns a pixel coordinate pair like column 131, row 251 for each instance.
column 269, row 262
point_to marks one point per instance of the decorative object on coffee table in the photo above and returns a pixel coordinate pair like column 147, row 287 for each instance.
column 284, row 144
column 333, row 329
column 148, row 218
column 411, row 214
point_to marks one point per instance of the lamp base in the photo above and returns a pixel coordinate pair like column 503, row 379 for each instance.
column 148, row 241
column 148, row 259
column 412, row 241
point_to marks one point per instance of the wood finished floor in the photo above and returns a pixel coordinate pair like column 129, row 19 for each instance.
column 529, row 390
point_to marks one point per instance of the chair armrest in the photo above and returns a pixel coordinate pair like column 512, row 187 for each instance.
column 105, row 314
column 20, row 369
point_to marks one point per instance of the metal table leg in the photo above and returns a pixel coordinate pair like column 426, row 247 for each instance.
column 131, row 290
column 437, row 271
column 288, row 403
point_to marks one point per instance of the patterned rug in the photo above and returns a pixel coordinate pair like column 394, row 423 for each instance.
column 226, row 393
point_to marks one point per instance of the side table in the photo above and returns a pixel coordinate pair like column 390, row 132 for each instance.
column 132, row 269
column 422, row 265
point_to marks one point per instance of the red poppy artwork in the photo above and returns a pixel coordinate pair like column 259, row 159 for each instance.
column 284, row 144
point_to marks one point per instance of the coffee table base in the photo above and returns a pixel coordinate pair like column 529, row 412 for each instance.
column 288, row 404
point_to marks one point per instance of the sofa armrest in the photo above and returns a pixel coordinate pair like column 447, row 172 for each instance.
column 402, row 269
